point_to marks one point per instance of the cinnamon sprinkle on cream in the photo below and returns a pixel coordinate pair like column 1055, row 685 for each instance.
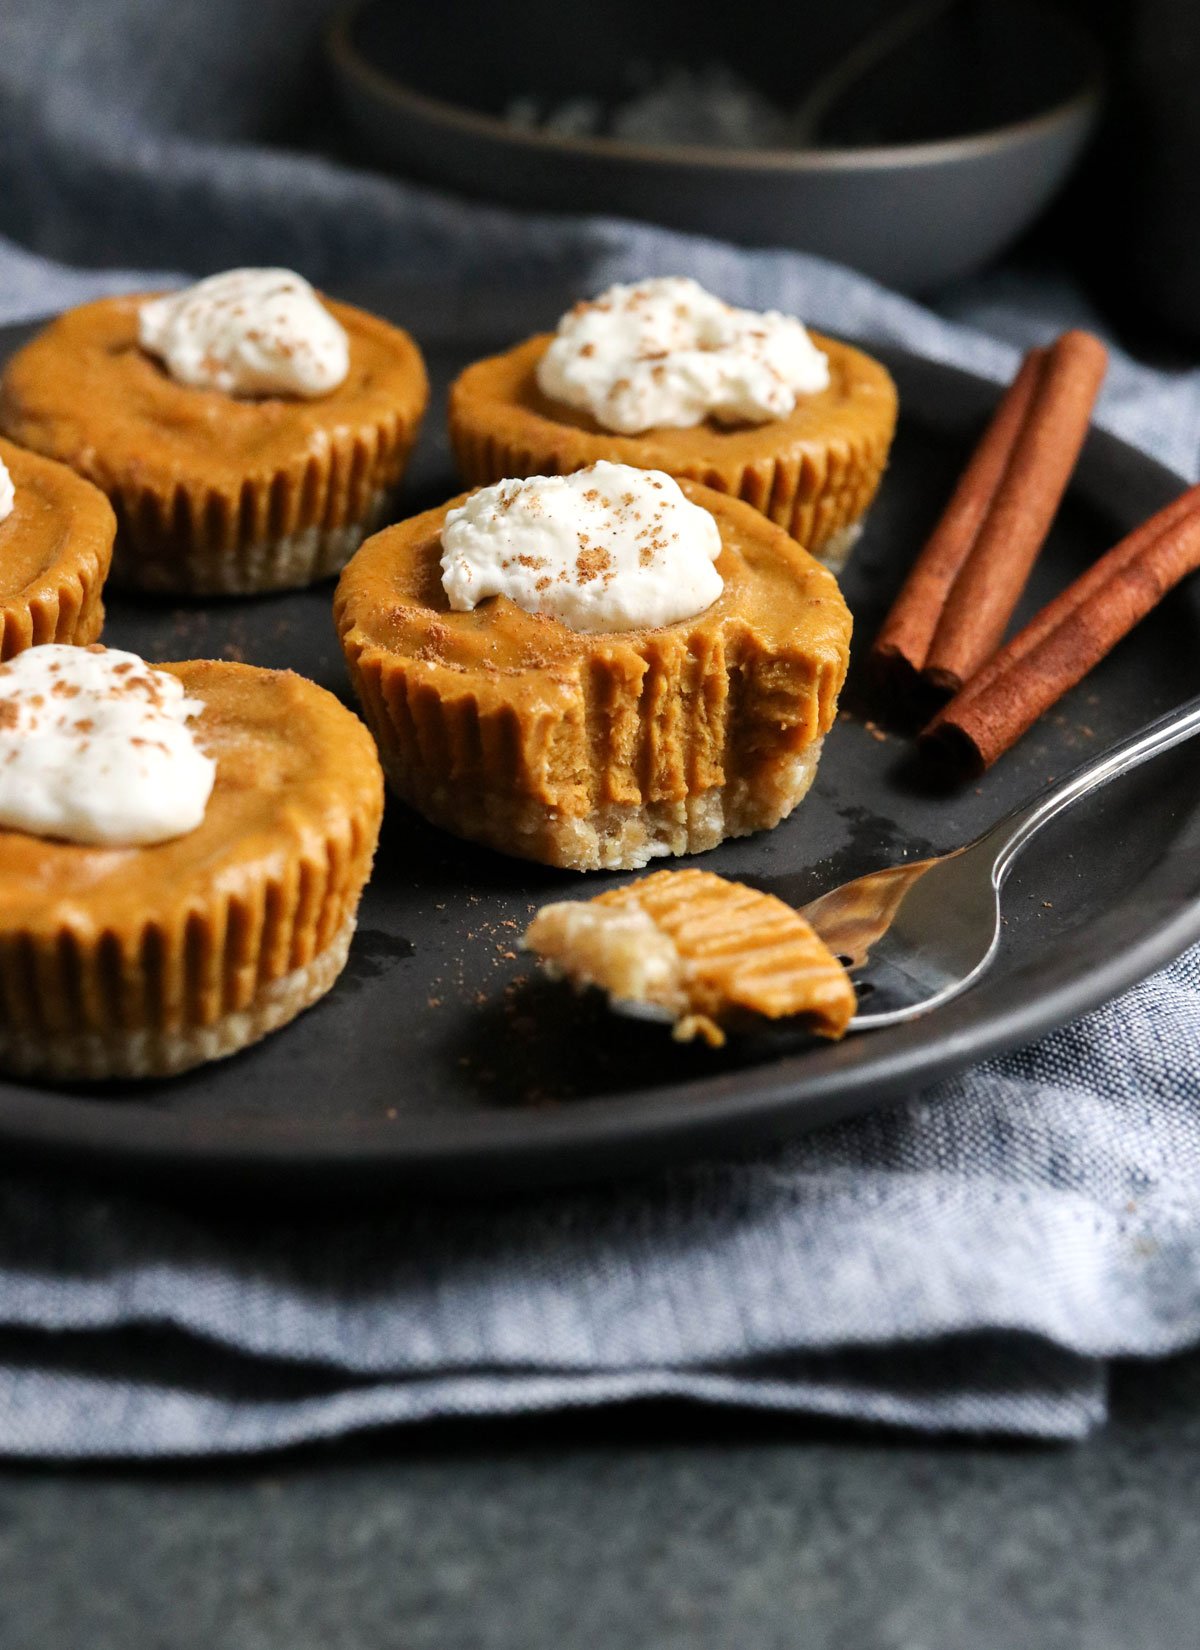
column 612, row 547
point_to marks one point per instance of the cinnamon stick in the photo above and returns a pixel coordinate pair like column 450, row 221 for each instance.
column 1084, row 587
column 1067, row 639
column 902, row 645
column 1010, row 537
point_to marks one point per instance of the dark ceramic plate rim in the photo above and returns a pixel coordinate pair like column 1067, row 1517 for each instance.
column 732, row 1111
column 363, row 77
column 616, row 1133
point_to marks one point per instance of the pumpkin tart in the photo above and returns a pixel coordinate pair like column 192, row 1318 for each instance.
column 702, row 952
column 216, row 493
column 55, row 551
column 814, row 472
column 593, row 750
column 143, row 961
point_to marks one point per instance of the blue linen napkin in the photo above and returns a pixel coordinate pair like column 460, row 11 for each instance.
column 968, row 1260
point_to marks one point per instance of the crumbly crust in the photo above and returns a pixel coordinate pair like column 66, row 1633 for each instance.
column 288, row 563
column 93, row 1056
column 837, row 550
column 617, row 836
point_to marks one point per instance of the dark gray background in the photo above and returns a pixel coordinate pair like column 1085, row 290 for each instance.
column 656, row 1527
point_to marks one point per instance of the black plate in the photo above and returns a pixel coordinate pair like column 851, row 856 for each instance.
column 438, row 1061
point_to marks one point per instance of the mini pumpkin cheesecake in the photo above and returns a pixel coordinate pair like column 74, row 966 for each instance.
column 664, row 376
column 248, row 432
column 597, row 669
column 56, row 541
column 182, row 851
column 704, row 953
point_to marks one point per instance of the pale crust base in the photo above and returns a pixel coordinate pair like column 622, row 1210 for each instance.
column 287, row 563
column 617, row 836
column 835, row 552
column 93, row 1056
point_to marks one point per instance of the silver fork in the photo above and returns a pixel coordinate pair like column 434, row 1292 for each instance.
column 930, row 929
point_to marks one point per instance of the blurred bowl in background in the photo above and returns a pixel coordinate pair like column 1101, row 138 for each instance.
column 932, row 138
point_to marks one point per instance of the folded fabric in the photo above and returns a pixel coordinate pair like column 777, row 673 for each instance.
column 968, row 1260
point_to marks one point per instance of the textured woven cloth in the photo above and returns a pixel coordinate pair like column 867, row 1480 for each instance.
column 968, row 1260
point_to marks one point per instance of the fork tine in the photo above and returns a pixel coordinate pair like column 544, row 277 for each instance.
column 850, row 919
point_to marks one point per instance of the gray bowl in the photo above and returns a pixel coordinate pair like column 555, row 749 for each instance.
column 972, row 126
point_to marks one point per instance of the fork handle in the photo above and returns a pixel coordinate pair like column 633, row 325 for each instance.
column 1013, row 832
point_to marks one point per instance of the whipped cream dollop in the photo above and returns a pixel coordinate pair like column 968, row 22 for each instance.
column 8, row 493
column 95, row 747
column 666, row 354
column 607, row 548
column 247, row 332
